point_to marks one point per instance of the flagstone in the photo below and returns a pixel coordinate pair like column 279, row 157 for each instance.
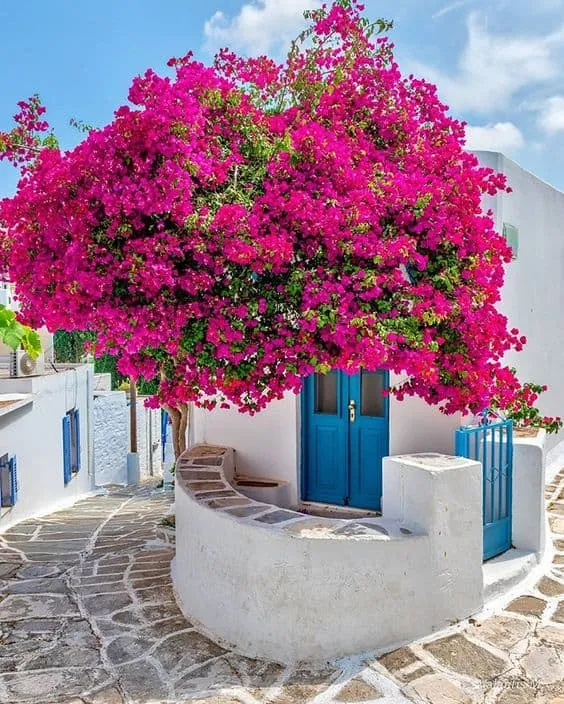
column 397, row 659
column 22, row 686
column 438, row 689
column 502, row 631
column 129, row 620
column 358, row 690
column 543, row 664
column 190, row 647
column 550, row 587
column 141, row 682
column 18, row 606
column 558, row 615
column 36, row 586
column 38, row 571
column 126, row 648
column 461, row 655
column 527, row 605
column 517, row 693
column 104, row 604
column 551, row 634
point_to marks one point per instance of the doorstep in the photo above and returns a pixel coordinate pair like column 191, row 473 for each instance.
column 503, row 572
column 312, row 508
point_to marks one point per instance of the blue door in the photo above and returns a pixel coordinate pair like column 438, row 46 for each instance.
column 345, row 436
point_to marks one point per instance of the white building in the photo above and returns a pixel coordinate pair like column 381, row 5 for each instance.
column 7, row 298
column 273, row 443
column 533, row 295
column 45, row 442
column 61, row 437
column 353, row 582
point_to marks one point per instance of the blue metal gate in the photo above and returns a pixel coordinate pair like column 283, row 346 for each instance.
column 491, row 443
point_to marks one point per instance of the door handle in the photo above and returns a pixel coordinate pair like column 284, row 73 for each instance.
column 352, row 411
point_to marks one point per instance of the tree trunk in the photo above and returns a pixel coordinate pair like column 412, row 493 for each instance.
column 179, row 417
column 132, row 416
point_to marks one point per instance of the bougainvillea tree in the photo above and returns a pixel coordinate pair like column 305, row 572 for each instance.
column 240, row 226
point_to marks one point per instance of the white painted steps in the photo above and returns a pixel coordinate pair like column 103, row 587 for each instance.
column 506, row 571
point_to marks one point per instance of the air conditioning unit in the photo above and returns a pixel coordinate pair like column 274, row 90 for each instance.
column 21, row 364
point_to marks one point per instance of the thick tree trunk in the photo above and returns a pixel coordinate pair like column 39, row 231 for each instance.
column 179, row 417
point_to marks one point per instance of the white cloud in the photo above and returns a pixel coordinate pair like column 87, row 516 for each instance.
column 260, row 26
column 493, row 68
column 500, row 137
column 551, row 114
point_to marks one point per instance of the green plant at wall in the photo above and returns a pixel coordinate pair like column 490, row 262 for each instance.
column 72, row 347
column 524, row 414
column 15, row 335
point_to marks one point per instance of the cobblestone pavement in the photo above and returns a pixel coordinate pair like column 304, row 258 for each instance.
column 87, row 615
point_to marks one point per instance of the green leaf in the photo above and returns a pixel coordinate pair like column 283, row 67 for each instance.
column 13, row 338
column 14, row 334
column 7, row 317
column 32, row 343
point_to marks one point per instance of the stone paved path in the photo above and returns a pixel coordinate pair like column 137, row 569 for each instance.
column 87, row 615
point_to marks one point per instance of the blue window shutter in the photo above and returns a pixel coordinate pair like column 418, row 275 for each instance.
column 4, row 481
column 77, row 438
column 67, row 472
column 14, row 486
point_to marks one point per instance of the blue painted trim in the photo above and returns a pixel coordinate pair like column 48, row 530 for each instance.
column 302, row 463
column 4, row 469
column 77, row 464
column 14, row 484
column 67, row 470
column 9, row 484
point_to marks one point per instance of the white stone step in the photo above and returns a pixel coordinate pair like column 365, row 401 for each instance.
column 505, row 571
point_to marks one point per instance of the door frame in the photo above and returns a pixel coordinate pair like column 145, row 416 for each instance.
column 302, row 412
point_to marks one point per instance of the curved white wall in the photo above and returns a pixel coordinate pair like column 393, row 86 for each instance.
column 280, row 585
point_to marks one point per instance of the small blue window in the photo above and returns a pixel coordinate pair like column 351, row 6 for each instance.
column 8, row 481
column 67, row 474
column 71, row 444
column 511, row 234
column 75, row 440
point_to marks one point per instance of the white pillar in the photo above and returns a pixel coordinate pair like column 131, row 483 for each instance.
column 443, row 496
column 528, row 524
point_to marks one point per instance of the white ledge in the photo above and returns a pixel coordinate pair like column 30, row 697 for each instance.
column 17, row 401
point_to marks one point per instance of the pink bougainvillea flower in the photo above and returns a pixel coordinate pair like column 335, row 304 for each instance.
column 239, row 226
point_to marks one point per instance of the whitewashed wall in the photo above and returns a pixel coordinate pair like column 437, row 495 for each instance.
column 34, row 434
column 148, row 440
column 533, row 294
column 268, row 443
column 417, row 427
column 111, row 437
column 528, row 530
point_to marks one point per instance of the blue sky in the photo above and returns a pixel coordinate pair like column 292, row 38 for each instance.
column 499, row 64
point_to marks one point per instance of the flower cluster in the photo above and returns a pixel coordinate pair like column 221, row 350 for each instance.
column 525, row 414
column 238, row 227
column 26, row 139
